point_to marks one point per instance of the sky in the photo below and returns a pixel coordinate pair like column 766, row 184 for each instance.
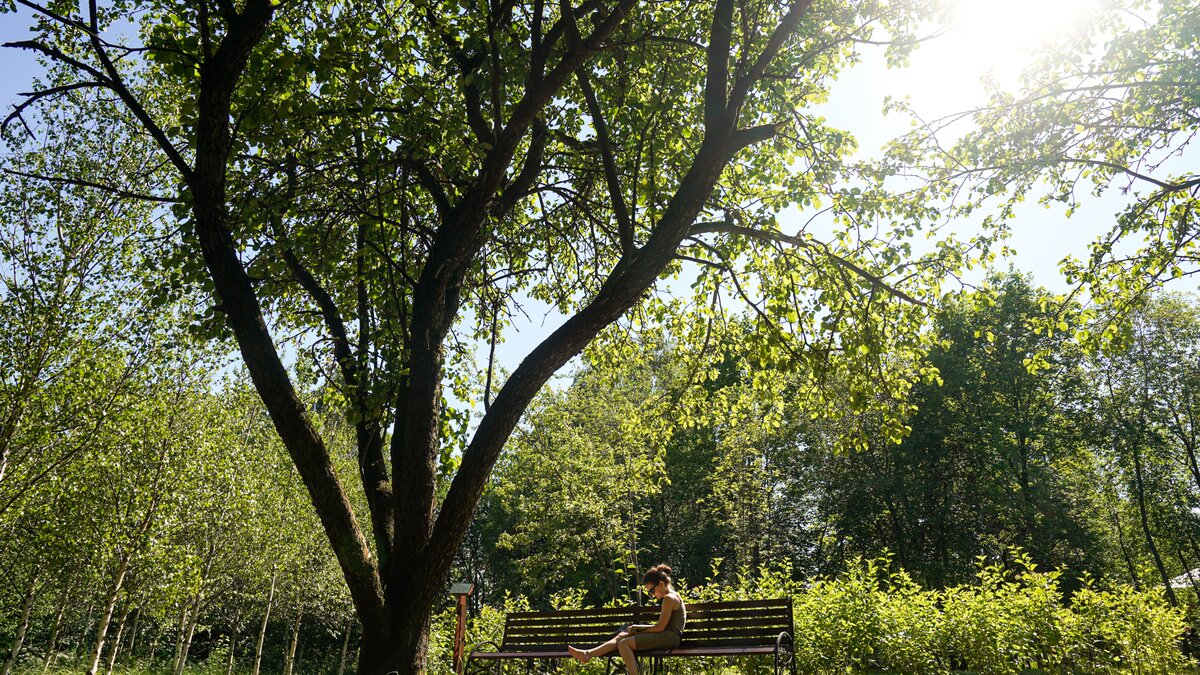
column 943, row 77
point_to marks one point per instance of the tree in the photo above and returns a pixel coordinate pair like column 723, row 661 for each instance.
column 394, row 177
column 567, row 504
column 72, row 330
column 1142, row 413
column 1110, row 107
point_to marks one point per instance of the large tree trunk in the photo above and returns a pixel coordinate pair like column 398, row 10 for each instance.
column 110, row 604
column 19, row 639
column 52, row 647
column 262, row 629
column 116, row 643
column 404, row 650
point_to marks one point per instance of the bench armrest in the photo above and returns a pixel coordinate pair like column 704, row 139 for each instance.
column 478, row 646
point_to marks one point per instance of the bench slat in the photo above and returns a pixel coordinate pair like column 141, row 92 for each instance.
column 727, row 604
column 728, row 628
column 678, row 651
column 743, row 627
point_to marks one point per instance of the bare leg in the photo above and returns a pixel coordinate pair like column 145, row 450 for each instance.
column 626, row 647
column 585, row 655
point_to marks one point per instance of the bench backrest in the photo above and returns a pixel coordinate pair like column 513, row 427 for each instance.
column 734, row 623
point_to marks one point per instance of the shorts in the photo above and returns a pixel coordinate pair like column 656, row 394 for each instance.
column 667, row 639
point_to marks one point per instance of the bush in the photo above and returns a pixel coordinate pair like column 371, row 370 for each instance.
column 873, row 618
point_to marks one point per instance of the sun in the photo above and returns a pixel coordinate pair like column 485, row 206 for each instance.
column 1008, row 29
column 986, row 38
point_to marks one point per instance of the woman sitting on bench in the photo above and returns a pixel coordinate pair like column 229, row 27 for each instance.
column 638, row 637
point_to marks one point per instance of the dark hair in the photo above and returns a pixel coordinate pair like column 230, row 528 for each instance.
column 656, row 574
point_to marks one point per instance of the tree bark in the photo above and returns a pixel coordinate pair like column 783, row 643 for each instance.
column 52, row 647
column 232, row 649
column 19, row 638
column 180, row 627
column 345, row 648
column 133, row 634
column 289, row 660
column 262, row 629
column 116, row 643
column 193, row 619
column 233, row 635
column 1145, row 520
column 110, row 603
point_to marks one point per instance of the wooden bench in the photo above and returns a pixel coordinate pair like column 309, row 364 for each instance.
column 714, row 629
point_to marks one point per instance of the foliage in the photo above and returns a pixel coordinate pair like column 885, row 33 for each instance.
column 1109, row 108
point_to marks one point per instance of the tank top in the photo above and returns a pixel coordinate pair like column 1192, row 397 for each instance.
column 677, row 619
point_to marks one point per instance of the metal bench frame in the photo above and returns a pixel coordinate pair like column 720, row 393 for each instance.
column 714, row 629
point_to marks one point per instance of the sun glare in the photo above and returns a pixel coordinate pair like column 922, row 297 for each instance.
column 987, row 38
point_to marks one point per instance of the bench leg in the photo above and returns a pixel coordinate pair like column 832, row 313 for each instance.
column 785, row 654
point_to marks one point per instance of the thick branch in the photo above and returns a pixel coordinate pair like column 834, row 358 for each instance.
column 608, row 158
column 747, row 80
column 623, row 288
column 717, row 81
column 763, row 235
column 117, row 84
column 435, row 304
column 218, row 78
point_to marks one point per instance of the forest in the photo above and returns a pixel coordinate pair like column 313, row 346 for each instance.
column 261, row 262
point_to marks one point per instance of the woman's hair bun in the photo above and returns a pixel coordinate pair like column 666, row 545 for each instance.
column 658, row 573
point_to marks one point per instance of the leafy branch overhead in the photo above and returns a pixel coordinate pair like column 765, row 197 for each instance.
column 1110, row 111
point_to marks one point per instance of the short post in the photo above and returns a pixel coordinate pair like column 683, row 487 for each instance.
column 460, row 592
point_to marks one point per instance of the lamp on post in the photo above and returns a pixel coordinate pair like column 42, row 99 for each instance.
column 460, row 592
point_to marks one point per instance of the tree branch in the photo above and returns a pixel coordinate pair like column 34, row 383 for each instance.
column 763, row 235
column 89, row 184
column 785, row 28
column 717, row 80
column 608, row 158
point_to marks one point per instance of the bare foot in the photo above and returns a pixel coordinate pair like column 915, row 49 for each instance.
column 580, row 655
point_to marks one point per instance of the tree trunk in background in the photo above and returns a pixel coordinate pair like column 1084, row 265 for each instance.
column 289, row 660
column 193, row 618
column 1141, row 501
column 133, row 634
column 345, row 648
column 262, row 630
column 116, row 643
column 106, row 618
column 233, row 640
column 52, row 648
column 26, row 608
column 232, row 648
column 87, row 630
column 1133, row 579
column 180, row 626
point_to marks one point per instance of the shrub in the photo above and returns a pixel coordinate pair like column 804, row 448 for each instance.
column 1120, row 630
column 872, row 618
column 1006, row 623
